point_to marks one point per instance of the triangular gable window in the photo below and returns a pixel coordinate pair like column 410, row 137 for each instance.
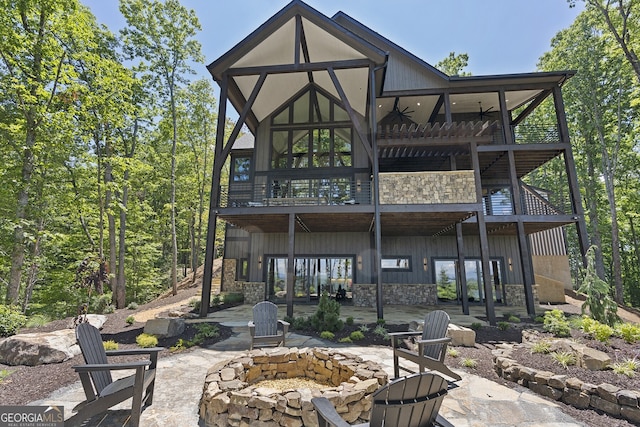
column 312, row 106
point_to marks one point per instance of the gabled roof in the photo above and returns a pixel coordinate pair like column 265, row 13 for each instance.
column 274, row 45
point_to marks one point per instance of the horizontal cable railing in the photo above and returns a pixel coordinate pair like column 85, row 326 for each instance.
column 535, row 134
column 535, row 203
column 310, row 192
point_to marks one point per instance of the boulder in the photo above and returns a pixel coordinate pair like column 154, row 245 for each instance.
column 39, row 348
column 461, row 336
column 97, row 320
column 164, row 327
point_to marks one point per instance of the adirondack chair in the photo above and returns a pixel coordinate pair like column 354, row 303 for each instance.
column 429, row 350
column 264, row 328
column 100, row 390
column 412, row 401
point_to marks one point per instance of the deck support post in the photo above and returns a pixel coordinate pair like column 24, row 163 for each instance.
column 291, row 272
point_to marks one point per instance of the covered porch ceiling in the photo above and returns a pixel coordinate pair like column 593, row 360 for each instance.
column 392, row 223
column 295, row 48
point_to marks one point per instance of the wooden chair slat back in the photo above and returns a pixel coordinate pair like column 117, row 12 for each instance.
column 435, row 326
column 265, row 318
column 90, row 342
column 412, row 401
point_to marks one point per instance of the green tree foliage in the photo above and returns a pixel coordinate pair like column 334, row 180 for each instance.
column 161, row 36
column 599, row 302
column 453, row 65
column 327, row 316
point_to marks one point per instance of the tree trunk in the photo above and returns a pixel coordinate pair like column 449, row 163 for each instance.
column 592, row 200
column 108, row 178
column 34, row 269
column 174, row 238
column 121, row 284
column 17, row 256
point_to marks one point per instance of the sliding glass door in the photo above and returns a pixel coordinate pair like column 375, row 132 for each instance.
column 312, row 277
column 450, row 286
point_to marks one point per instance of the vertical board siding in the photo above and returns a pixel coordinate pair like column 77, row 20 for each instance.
column 548, row 242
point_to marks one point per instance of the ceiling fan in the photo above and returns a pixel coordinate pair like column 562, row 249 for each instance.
column 396, row 114
column 484, row 113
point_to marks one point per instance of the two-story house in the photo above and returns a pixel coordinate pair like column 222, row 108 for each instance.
column 372, row 176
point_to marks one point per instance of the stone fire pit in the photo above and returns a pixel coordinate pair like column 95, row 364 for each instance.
column 233, row 395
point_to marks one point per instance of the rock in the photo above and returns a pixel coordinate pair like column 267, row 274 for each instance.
column 164, row 327
column 39, row 348
column 461, row 336
column 97, row 320
column 590, row 358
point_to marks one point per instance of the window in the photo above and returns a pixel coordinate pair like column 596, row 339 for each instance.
column 241, row 169
column 312, row 276
column 450, row 288
column 243, row 269
column 312, row 132
column 396, row 263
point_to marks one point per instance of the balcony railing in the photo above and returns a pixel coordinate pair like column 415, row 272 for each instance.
column 534, row 202
column 298, row 192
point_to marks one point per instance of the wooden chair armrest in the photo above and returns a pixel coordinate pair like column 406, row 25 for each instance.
column 134, row 351
column 252, row 328
column 112, row 366
column 396, row 337
column 434, row 341
column 327, row 411
column 283, row 322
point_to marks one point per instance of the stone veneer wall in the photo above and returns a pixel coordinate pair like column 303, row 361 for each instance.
column 570, row 390
column 427, row 187
column 254, row 292
column 229, row 283
column 364, row 295
column 515, row 295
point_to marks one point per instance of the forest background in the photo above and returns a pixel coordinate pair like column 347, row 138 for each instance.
column 107, row 149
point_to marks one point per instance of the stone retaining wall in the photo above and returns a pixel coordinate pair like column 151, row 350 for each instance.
column 570, row 390
column 364, row 295
column 515, row 295
column 228, row 281
column 230, row 399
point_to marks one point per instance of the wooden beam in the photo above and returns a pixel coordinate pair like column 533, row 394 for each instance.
column 291, row 272
column 352, row 114
column 436, row 109
column 299, row 68
column 207, row 278
column 532, row 106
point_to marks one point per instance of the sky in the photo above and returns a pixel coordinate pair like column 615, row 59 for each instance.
column 500, row 36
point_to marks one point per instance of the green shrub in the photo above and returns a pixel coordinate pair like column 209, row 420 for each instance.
column 564, row 358
column 102, row 305
column 380, row 330
column 542, row 347
column 110, row 345
column 4, row 373
column 233, row 298
column 602, row 332
column 539, row 319
column 327, row 316
column 356, row 336
column 452, row 352
column 215, row 300
column 109, row 309
column 629, row 332
column 132, row 306
column 346, row 340
column 364, row 329
column 38, row 320
column 327, row 335
column 469, row 363
column 381, row 321
column 598, row 301
column 476, row 326
column 180, row 345
column 503, row 326
column 514, row 319
column 300, row 323
column 11, row 319
column 349, row 320
column 556, row 323
column 205, row 331
column 587, row 324
column 146, row 340
column 627, row 367
column 130, row 320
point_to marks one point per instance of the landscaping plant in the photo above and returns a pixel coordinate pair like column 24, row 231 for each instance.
column 598, row 292
column 327, row 316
